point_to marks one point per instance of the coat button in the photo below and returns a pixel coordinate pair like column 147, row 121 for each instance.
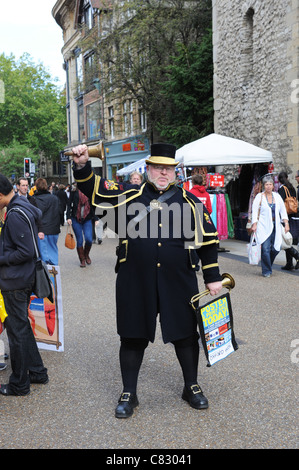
column 158, row 265
column 159, row 244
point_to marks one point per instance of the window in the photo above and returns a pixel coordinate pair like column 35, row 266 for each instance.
column 128, row 117
column 94, row 120
column 142, row 120
column 247, row 44
column 125, row 118
column 90, row 71
column 111, row 121
column 79, row 70
column 86, row 14
column 81, row 121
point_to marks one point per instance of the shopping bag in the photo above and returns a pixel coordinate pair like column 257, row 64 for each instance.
column 254, row 251
column 3, row 313
column 215, row 322
column 70, row 241
column 286, row 239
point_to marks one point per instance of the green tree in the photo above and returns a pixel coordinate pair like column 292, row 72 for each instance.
column 141, row 44
column 33, row 112
column 12, row 159
column 188, row 93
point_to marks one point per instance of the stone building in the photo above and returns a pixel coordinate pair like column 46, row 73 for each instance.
column 256, row 76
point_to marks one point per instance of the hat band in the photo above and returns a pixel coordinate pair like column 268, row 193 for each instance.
column 161, row 161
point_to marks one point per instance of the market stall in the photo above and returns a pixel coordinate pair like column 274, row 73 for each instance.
column 230, row 202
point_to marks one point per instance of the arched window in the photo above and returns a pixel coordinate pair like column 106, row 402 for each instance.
column 247, row 44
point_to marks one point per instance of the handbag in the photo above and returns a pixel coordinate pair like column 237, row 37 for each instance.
column 291, row 203
column 70, row 241
column 286, row 239
column 42, row 287
column 254, row 251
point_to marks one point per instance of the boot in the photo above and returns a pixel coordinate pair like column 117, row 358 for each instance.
column 289, row 257
column 81, row 255
column 294, row 253
column 87, row 249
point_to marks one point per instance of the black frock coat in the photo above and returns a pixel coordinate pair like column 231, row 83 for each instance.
column 157, row 258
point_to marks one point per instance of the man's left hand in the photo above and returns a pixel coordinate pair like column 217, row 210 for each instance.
column 214, row 287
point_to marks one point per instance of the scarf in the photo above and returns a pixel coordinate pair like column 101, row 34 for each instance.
column 83, row 208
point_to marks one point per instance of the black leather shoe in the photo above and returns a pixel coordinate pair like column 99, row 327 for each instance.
column 126, row 404
column 195, row 397
column 5, row 390
column 288, row 267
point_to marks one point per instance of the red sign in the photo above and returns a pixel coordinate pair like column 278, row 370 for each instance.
column 217, row 180
column 126, row 147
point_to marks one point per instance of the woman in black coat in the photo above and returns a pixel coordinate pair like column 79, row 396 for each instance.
column 291, row 253
column 50, row 222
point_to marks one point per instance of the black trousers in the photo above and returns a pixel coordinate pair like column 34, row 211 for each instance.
column 26, row 362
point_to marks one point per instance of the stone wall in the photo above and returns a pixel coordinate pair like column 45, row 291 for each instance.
column 255, row 71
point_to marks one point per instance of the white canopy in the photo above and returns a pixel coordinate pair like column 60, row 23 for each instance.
column 216, row 150
column 135, row 166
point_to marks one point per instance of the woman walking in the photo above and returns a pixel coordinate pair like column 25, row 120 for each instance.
column 80, row 215
column 268, row 210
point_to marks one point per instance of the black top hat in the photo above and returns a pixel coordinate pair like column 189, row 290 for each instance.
column 162, row 154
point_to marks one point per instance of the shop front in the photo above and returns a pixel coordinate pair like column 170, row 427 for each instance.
column 121, row 153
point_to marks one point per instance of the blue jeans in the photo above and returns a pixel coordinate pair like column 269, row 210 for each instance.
column 26, row 362
column 48, row 249
column 268, row 254
column 83, row 229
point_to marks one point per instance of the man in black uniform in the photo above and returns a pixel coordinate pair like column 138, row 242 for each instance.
column 163, row 229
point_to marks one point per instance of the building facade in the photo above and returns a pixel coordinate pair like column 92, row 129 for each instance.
column 256, row 76
column 90, row 115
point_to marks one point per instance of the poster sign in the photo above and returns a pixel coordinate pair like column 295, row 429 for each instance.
column 215, row 320
column 46, row 318
column 216, row 181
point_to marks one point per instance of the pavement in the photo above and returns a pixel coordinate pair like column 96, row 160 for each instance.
column 253, row 393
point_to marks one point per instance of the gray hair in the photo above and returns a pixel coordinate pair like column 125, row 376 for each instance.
column 268, row 179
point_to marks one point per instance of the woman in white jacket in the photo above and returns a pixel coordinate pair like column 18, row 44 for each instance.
column 268, row 211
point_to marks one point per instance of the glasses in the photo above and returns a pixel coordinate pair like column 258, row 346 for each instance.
column 169, row 169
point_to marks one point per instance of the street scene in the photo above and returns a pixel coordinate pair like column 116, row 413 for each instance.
column 253, row 393
column 149, row 228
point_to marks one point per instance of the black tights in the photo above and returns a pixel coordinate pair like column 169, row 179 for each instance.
column 131, row 356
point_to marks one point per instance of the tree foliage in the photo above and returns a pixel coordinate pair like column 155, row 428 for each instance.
column 188, row 93
column 144, row 45
column 32, row 114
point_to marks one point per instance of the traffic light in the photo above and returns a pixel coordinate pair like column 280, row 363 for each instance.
column 27, row 165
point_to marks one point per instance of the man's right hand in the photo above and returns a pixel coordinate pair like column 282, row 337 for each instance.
column 80, row 155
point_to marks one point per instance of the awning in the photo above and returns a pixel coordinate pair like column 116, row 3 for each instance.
column 218, row 150
column 139, row 166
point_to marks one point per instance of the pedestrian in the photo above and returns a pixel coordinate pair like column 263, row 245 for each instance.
column 155, row 269
column 22, row 187
column 268, row 210
column 287, row 187
column 136, row 177
column 80, row 215
column 49, row 232
column 17, row 274
column 63, row 201
column 200, row 191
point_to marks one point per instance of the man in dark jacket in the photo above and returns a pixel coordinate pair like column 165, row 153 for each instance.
column 17, row 274
column 156, row 265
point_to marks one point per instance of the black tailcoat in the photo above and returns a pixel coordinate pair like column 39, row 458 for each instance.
column 157, row 257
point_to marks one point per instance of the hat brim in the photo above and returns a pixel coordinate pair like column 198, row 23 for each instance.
column 161, row 161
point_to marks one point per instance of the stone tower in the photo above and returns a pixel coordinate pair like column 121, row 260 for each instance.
column 256, row 75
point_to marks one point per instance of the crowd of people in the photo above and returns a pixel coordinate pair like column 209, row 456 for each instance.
column 161, row 281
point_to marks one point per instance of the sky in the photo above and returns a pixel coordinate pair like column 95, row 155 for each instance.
column 28, row 26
